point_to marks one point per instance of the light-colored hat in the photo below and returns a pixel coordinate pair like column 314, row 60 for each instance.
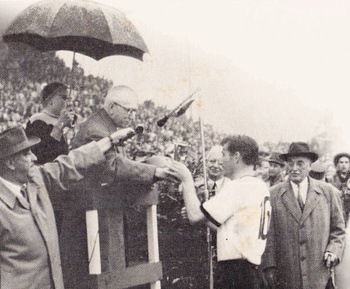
column 15, row 140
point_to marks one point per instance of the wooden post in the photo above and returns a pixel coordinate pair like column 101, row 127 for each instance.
column 152, row 233
column 93, row 242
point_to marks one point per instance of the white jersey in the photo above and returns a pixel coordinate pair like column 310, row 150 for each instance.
column 242, row 211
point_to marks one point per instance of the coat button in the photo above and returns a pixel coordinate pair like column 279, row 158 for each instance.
column 303, row 258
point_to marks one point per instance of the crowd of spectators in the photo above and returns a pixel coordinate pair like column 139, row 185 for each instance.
column 24, row 72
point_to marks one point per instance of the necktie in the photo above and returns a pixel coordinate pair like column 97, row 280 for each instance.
column 24, row 201
column 300, row 199
column 24, row 192
column 212, row 191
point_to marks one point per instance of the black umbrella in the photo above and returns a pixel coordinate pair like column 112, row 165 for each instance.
column 81, row 26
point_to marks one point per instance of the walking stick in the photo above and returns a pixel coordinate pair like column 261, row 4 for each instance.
column 206, row 196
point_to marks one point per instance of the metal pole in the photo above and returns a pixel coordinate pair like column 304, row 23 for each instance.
column 71, row 78
column 206, row 195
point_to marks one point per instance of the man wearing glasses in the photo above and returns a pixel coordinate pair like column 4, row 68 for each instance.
column 307, row 231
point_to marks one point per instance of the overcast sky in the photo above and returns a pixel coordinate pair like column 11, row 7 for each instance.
column 274, row 70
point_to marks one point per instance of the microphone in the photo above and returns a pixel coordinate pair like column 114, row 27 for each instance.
column 183, row 108
column 138, row 130
column 177, row 111
column 162, row 121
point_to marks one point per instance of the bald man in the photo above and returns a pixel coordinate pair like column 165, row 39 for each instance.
column 118, row 112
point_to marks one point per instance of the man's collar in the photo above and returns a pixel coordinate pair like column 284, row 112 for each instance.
column 8, row 192
column 218, row 182
column 304, row 183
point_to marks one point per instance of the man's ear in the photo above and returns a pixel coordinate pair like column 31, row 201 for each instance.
column 110, row 108
column 9, row 163
column 237, row 157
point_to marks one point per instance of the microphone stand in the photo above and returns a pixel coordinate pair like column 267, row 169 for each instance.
column 206, row 197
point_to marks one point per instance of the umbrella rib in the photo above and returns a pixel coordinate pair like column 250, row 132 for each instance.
column 106, row 18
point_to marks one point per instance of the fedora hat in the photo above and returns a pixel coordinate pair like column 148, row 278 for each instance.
column 276, row 158
column 15, row 140
column 299, row 149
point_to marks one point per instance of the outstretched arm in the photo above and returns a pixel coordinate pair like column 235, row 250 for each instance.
column 192, row 203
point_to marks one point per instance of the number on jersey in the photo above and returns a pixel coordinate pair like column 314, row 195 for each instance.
column 265, row 218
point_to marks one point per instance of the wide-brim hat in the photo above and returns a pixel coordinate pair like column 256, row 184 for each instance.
column 15, row 140
column 299, row 149
column 276, row 158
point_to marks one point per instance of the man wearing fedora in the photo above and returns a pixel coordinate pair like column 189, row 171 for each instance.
column 307, row 231
column 29, row 251
column 276, row 166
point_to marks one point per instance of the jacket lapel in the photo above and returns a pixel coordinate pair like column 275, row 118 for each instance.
column 7, row 196
column 312, row 199
column 290, row 202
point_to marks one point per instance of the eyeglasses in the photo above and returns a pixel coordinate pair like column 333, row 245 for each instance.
column 129, row 110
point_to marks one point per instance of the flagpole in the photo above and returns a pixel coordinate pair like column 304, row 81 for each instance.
column 206, row 195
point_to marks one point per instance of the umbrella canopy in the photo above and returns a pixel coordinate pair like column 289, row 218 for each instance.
column 81, row 26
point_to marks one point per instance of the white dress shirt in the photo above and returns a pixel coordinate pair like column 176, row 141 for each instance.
column 303, row 187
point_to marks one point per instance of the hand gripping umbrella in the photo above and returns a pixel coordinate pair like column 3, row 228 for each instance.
column 80, row 26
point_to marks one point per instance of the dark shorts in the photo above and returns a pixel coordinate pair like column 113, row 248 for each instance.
column 236, row 274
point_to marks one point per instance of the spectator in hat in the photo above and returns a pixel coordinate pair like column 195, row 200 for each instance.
column 49, row 124
column 262, row 168
column 29, row 251
column 341, row 180
column 276, row 166
column 318, row 171
column 307, row 231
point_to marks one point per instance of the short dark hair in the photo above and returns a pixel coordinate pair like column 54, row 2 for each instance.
column 50, row 89
column 339, row 156
column 245, row 145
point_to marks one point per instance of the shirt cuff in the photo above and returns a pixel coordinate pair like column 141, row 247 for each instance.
column 209, row 217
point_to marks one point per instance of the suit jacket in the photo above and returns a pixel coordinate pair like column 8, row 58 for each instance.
column 99, row 125
column 29, row 251
column 297, row 240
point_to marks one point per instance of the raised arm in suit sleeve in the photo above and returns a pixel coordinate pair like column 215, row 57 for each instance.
column 67, row 170
column 118, row 167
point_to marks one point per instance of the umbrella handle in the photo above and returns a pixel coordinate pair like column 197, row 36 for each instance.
column 71, row 77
